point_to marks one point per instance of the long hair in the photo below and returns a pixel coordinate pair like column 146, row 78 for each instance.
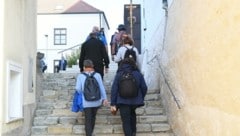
column 127, row 39
column 130, row 62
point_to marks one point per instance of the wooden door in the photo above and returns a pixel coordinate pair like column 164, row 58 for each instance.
column 136, row 29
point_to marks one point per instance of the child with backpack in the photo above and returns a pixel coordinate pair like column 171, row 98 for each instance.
column 90, row 85
column 127, row 94
column 127, row 50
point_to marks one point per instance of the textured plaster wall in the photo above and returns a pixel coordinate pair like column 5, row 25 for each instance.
column 202, row 67
column 19, row 46
column 152, row 39
column 1, row 57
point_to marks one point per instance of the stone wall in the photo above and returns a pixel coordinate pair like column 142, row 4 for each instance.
column 202, row 68
column 25, row 129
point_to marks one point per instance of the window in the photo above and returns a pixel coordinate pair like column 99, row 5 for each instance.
column 60, row 36
column 14, row 99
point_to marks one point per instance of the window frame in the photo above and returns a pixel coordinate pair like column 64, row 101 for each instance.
column 14, row 95
column 62, row 36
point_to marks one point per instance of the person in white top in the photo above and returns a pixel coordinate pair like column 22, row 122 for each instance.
column 129, row 43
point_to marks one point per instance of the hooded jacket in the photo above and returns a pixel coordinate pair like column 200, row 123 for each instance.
column 139, row 100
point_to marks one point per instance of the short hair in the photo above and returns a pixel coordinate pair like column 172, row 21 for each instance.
column 121, row 27
column 88, row 63
column 95, row 29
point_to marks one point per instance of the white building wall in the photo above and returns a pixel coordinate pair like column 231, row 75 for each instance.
column 153, row 23
column 78, row 28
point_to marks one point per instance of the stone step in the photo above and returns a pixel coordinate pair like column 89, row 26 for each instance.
column 69, row 129
column 138, row 134
column 58, row 97
column 53, row 116
column 101, row 119
column 154, row 110
column 53, row 96
column 140, row 111
column 64, row 109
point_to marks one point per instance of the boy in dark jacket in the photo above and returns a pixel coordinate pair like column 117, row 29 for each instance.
column 127, row 106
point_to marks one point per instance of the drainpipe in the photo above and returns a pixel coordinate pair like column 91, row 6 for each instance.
column 165, row 7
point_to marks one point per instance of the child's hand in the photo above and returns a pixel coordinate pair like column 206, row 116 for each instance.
column 105, row 102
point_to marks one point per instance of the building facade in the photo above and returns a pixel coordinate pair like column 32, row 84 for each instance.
column 17, row 72
column 62, row 26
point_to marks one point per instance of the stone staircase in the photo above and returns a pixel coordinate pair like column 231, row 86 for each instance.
column 53, row 116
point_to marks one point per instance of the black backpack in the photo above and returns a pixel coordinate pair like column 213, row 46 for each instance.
column 130, row 53
column 127, row 85
column 91, row 90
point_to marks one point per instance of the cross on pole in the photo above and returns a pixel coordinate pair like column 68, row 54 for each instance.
column 131, row 17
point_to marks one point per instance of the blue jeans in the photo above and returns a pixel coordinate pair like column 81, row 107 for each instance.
column 128, row 117
column 90, row 118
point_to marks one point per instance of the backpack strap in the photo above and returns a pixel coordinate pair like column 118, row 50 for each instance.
column 130, row 48
column 125, row 51
column 92, row 74
column 85, row 74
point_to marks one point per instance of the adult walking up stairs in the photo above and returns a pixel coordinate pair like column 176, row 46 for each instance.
column 53, row 116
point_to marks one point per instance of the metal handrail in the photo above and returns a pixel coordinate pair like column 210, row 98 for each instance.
column 69, row 48
column 162, row 71
column 160, row 66
column 165, row 79
column 170, row 89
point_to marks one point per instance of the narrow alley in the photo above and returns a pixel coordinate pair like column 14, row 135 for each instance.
column 189, row 56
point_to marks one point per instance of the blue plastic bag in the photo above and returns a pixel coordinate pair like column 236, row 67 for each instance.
column 77, row 105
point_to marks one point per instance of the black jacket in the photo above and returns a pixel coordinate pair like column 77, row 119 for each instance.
column 94, row 50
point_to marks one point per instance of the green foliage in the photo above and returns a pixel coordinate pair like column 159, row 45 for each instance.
column 72, row 59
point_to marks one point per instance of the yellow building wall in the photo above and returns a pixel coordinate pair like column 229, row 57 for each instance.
column 203, row 49
column 18, row 44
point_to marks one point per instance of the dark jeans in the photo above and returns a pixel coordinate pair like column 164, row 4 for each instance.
column 44, row 68
column 128, row 117
column 90, row 118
